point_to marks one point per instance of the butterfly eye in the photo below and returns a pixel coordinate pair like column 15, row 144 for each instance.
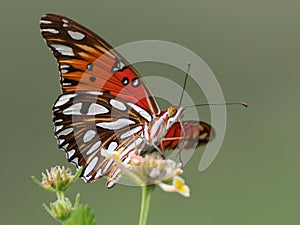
column 172, row 111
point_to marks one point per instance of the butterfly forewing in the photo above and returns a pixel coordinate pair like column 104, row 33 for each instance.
column 87, row 62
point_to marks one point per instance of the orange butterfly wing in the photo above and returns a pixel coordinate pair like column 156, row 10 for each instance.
column 87, row 62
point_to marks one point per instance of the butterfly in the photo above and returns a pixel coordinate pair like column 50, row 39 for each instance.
column 105, row 104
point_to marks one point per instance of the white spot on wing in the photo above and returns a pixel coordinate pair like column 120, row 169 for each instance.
column 45, row 21
column 95, row 109
column 112, row 146
column 99, row 173
column 89, row 135
column 114, row 125
column 73, row 109
column 57, row 128
column 94, row 147
column 60, row 141
column 114, row 178
column 64, row 99
column 65, row 23
column 65, row 146
column 108, row 165
column 117, row 104
column 66, row 84
column 63, row 66
column 131, row 132
column 66, row 131
column 76, row 35
column 63, row 49
column 70, row 153
column 64, row 71
column 141, row 111
column 75, row 161
column 94, row 93
column 91, row 166
column 126, row 161
column 135, row 83
column 53, row 31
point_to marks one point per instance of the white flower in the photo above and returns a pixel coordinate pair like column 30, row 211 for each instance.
column 177, row 185
column 151, row 170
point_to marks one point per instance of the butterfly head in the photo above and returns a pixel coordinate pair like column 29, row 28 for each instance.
column 172, row 110
column 174, row 115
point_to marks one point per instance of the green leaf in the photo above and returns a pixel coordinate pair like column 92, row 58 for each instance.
column 83, row 215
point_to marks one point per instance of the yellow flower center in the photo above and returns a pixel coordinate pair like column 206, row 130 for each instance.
column 179, row 184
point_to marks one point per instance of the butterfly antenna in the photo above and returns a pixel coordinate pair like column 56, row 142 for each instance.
column 216, row 104
column 185, row 80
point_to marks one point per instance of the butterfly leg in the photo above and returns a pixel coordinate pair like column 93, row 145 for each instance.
column 143, row 148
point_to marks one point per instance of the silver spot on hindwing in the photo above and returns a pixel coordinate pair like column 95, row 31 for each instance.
column 94, row 93
column 58, row 128
column 95, row 109
column 66, row 131
column 109, row 163
column 75, row 161
column 117, row 124
column 60, row 141
column 64, row 71
column 131, row 132
column 90, row 166
column 112, row 146
column 73, row 109
column 117, row 104
column 63, row 66
column 70, row 153
column 64, row 99
column 65, row 146
column 99, row 173
column 94, row 147
column 89, row 135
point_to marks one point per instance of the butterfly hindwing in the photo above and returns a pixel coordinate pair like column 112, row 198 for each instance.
column 88, row 122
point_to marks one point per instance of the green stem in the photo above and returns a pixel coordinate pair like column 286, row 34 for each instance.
column 60, row 195
column 145, row 204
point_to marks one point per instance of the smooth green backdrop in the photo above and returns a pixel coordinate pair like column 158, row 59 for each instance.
column 253, row 47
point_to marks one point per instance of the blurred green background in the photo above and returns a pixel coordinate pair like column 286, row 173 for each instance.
column 253, row 47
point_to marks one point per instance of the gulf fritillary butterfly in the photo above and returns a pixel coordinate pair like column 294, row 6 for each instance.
column 105, row 105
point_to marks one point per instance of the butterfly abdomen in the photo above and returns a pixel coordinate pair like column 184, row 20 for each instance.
column 196, row 133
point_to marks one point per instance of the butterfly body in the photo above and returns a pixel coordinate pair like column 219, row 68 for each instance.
column 155, row 131
column 105, row 105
